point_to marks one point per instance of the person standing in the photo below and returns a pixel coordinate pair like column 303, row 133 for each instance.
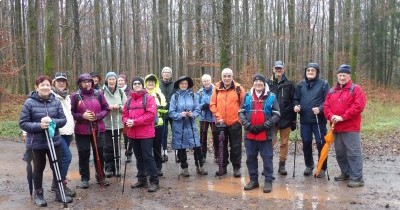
column 207, row 118
column 343, row 107
column 61, row 93
column 152, row 87
column 96, row 79
column 167, row 88
column 309, row 100
column 139, row 115
column 116, row 98
column 38, row 112
column 259, row 114
column 284, row 90
column 225, row 103
column 89, row 107
column 183, row 110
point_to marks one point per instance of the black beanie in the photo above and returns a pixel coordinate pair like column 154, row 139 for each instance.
column 259, row 76
column 344, row 68
column 137, row 79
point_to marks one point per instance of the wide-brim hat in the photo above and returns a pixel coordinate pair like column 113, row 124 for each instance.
column 182, row 78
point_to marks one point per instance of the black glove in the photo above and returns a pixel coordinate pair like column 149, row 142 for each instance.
column 293, row 126
column 267, row 125
column 255, row 129
column 205, row 106
column 260, row 128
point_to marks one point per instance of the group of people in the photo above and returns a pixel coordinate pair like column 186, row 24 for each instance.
column 142, row 110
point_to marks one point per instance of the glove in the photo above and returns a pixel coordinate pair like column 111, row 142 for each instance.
column 255, row 129
column 259, row 128
column 293, row 126
column 267, row 125
column 205, row 106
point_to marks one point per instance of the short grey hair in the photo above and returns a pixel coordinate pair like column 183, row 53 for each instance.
column 206, row 76
column 226, row 71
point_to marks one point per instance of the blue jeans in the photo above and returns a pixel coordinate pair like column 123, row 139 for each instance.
column 265, row 149
column 307, row 130
column 66, row 155
column 349, row 154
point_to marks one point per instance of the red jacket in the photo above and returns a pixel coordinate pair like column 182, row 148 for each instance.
column 347, row 104
column 257, row 118
column 143, row 119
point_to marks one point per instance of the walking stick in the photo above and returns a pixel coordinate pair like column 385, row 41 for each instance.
column 126, row 163
column 119, row 146
column 295, row 146
column 98, row 163
column 113, row 143
column 55, row 167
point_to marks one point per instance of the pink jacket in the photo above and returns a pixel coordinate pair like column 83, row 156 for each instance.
column 143, row 119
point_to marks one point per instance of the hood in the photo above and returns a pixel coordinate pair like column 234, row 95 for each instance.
column 152, row 77
column 314, row 65
column 35, row 95
column 83, row 77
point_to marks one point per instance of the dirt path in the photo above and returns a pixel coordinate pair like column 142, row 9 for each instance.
column 381, row 174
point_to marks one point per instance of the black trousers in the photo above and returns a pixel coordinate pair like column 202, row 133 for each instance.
column 39, row 164
column 233, row 138
column 83, row 143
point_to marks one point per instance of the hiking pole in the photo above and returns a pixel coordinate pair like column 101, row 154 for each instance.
column 119, row 146
column 55, row 167
column 295, row 146
column 98, row 164
column 194, row 139
column 126, row 163
column 113, row 143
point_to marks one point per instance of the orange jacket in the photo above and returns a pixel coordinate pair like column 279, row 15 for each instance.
column 225, row 104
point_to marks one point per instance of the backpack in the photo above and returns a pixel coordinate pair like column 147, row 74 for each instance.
column 267, row 103
column 78, row 96
column 237, row 88
column 332, row 90
column 144, row 105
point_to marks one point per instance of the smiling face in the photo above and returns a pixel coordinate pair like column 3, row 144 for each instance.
column 150, row 84
column 60, row 84
column 121, row 82
column 278, row 71
column 86, row 84
column 227, row 77
column 137, row 86
column 343, row 78
column 183, row 85
column 206, row 81
column 112, row 82
column 43, row 89
column 311, row 73
column 258, row 85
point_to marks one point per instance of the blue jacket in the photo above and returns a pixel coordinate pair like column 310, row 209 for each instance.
column 33, row 110
column 204, row 97
column 184, row 130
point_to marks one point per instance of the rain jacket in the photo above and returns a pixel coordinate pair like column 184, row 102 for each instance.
column 92, row 100
column 119, row 98
column 225, row 104
column 160, row 100
column 167, row 88
column 204, row 101
column 284, row 91
column 347, row 104
column 258, row 110
column 184, row 130
column 69, row 127
column 143, row 119
column 33, row 110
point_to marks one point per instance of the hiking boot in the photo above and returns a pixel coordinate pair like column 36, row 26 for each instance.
column 201, row 171
column 221, row 173
column 54, row 186
column 139, row 184
column 108, row 172
column 267, row 187
column 354, row 184
column 129, row 158
column 152, row 188
column 68, row 191
column 103, row 182
column 251, row 185
column 164, row 158
column 160, row 173
column 236, row 173
column 308, row 171
column 282, row 170
column 341, row 177
column 58, row 198
column 185, row 172
column 321, row 174
column 85, row 184
column 39, row 199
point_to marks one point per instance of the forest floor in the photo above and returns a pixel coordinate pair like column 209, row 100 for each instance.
column 381, row 190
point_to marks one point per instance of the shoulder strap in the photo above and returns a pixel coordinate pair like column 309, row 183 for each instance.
column 158, row 97
column 144, row 102
column 238, row 94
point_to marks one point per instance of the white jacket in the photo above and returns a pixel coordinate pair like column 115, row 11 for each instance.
column 68, row 129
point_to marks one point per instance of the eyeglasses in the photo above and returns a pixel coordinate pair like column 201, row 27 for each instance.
column 167, row 72
column 136, row 83
column 311, row 70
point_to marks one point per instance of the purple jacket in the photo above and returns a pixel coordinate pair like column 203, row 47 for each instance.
column 92, row 100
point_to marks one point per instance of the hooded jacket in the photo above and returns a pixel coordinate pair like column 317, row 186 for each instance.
column 33, row 110
column 167, row 88
column 159, row 98
column 69, row 127
column 204, row 97
column 92, row 100
column 117, row 97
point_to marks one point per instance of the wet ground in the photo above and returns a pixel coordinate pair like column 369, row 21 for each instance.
column 381, row 190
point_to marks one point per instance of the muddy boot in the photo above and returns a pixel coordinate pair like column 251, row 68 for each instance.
column 58, row 198
column 140, row 184
column 221, row 173
column 341, row 177
column 201, row 171
column 39, row 199
column 153, row 187
column 85, row 184
column 267, row 187
column 308, row 171
column 282, row 170
column 68, row 191
column 129, row 158
column 108, row 170
column 185, row 172
column 236, row 172
column 251, row 185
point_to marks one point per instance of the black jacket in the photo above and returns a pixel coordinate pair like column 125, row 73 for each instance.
column 284, row 91
column 167, row 88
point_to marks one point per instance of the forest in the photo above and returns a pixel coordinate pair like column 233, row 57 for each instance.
column 194, row 37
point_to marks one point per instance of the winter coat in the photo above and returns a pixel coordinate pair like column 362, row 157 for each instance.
column 204, row 101
column 69, row 127
column 347, row 104
column 184, row 129
column 92, row 100
column 143, row 119
column 309, row 94
column 160, row 100
column 117, row 97
column 284, row 91
column 167, row 88
column 258, row 110
column 225, row 104
column 33, row 110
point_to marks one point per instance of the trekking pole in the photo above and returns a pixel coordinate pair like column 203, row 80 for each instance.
column 126, row 163
column 194, row 139
column 98, row 165
column 55, row 167
column 119, row 146
column 113, row 143
column 295, row 146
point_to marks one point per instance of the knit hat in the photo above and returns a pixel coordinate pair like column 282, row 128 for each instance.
column 111, row 74
column 166, row 69
column 279, row 64
column 135, row 79
column 312, row 65
column 344, row 68
column 182, row 78
column 259, row 76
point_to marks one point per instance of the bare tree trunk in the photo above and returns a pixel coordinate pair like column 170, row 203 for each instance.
column 331, row 45
column 180, row 38
column 97, row 36
column 225, row 36
column 199, row 39
column 156, row 61
column 292, row 38
column 356, row 39
column 77, row 40
column 137, row 35
column 51, row 45
column 112, row 36
column 23, row 80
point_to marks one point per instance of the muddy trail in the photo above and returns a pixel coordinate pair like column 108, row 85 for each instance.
column 381, row 190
